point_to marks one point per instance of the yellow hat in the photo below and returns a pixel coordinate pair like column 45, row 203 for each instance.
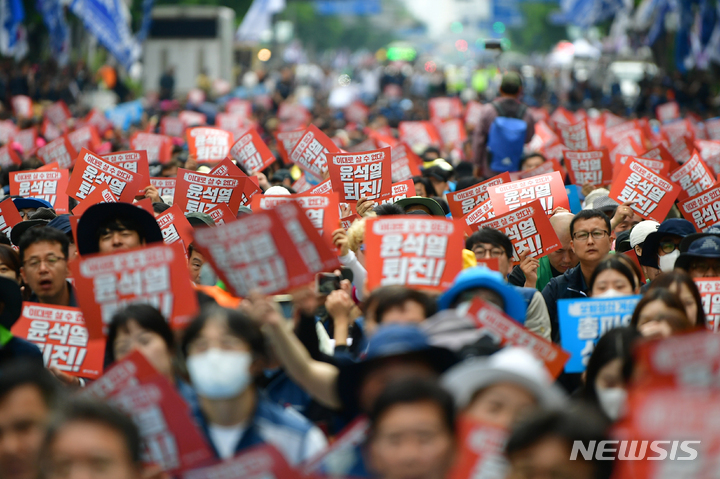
column 468, row 259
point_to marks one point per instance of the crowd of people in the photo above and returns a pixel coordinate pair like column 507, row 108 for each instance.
column 393, row 381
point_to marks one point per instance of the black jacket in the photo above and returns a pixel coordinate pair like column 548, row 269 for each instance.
column 570, row 284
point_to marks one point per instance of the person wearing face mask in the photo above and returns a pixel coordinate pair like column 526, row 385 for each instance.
column 225, row 353
column 608, row 372
column 614, row 277
column 662, row 247
column 638, row 235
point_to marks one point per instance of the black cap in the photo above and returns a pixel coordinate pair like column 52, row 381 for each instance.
column 94, row 216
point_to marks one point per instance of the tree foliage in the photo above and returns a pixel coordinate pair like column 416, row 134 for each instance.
column 538, row 34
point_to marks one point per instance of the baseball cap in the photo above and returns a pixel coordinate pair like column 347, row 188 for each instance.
column 39, row 217
column 689, row 239
column 641, row 230
column 592, row 196
column 277, row 191
column 22, row 203
column 429, row 203
column 511, row 364
column 199, row 219
column 673, row 226
column 704, row 247
column 511, row 82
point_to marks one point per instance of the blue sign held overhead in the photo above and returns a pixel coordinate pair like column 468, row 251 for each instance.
column 347, row 7
column 125, row 114
column 573, row 198
column 584, row 321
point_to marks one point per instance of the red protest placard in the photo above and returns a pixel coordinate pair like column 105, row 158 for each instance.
column 549, row 189
column 85, row 137
column 22, row 106
column 46, row 185
column 473, row 114
column 227, row 168
column 677, row 130
column 547, row 167
column 694, row 177
column 172, row 126
column 165, row 186
column 482, row 448
column 710, row 153
column 312, row 150
column 145, row 204
column 634, row 257
column 175, row 227
column 575, row 136
column 8, row 157
column 58, row 113
column 681, row 149
column 135, row 161
column 240, row 107
column 192, row 118
column 154, row 274
column 710, row 293
column 452, row 132
column 589, row 167
column 202, row 192
column 269, row 251
column 399, row 191
column 654, row 195
column 170, row 437
column 26, row 138
column 49, row 131
column 98, row 195
column 260, row 462
column 444, row 108
column 59, row 151
column 416, row 133
column 91, row 171
column 208, row 144
column 510, row 333
column 528, row 228
column 322, row 188
column 659, row 167
column 480, row 214
column 347, row 221
column 667, row 111
column 659, row 152
column 322, row 210
column 702, row 210
column 9, row 216
column 98, row 120
column 159, row 147
column 221, row 214
column 251, row 152
column 7, row 131
column 413, row 251
column 464, row 201
column 63, row 339
column 405, row 163
column 286, row 141
column 492, row 264
column 361, row 175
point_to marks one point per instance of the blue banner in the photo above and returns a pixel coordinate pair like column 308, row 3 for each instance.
column 146, row 21
column 584, row 321
column 105, row 20
column 12, row 14
column 53, row 15
column 573, row 198
column 125, row 114
column 347, row 7
column 586, row 13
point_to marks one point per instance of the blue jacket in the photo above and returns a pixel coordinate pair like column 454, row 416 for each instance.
column 571, row 284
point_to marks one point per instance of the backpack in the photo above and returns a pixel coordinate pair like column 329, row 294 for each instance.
column 506, row 140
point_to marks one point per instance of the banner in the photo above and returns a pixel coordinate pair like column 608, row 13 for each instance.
column 584, row 321
column 126, row 114
column 481, row 213
column 654, row 195
column 251, row 152
column 59, row 150
column 405, row 163
column 508, row 332
column 46, row 185
column 227, row 168
column 444, row 108
column 273, row 251
column 575, row 136
column 710, row 293
column 159, row 147
column 165, row 186
column 413, row 251
column 263, row 461
column 202, row 192
column 419, row 133
column 91, row 170
column 399, row 191
column 361, row 175
column 155, row 274
column 135, row 161
column 98, row 195
column 22, row 106
column 175, row 227
column 529, row 229
column 9, row 216
column 286, row 141
column 63, row 339
column 464, row 201
column 170, row 436
column 702, row 210
column 172, row 126
column 482, row 451
column 589, row 167
column 221, row 214
column 549, row 189
column 310, row 152
column 85, row 137
column 208, row 144
column 693, row 176
column 9, row 157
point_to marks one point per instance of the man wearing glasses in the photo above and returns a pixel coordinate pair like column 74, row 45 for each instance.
column 43, row 254
column 662, row 247
column 700, row 254
column 591, row 241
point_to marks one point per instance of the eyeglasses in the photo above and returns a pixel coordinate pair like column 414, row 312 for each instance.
column 703, row 267
column 596, row 234
column 667, row 247
column 51, row 261
column 494, row 252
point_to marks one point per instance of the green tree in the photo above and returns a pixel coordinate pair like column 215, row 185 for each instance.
column 538, row 34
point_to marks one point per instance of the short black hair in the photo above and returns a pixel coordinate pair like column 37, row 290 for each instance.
column 388, row 209
column 119, row 223
column 429, row 188
column 589, row 214
column 443, row 204
column 577, row 423
column 402, row 296
column 413, row 390
column 534, row 154
column 43, row 235
column 97, row 412
column 239, row 324
column 466, row 182
column 147, row 317
column 615, row 263
column 490, row 236
column 23, row 372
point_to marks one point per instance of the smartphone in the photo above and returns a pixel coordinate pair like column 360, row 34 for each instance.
column 285, row 303
column 326, row 283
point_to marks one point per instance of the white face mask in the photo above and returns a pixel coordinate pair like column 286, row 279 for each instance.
column 609, row 293
column 667, row 262
column 612, row 401
column 219, row 374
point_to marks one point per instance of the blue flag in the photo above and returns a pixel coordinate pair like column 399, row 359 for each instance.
column 585, row 13
column 53, row 15
column 12, row 14
column 105, row 19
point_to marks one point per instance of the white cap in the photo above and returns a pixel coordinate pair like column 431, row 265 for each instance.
column 277, row 191
column 641, row 231
column 593, row 195
column 511, row 364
